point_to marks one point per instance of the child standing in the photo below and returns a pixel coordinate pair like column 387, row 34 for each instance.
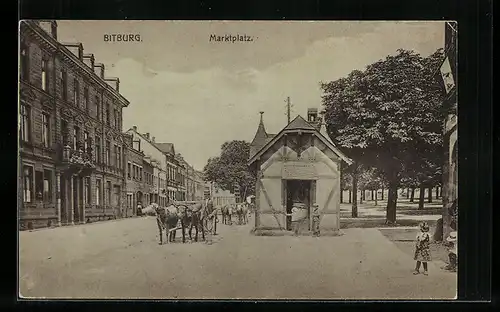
column 422, row 248
column 315, row 219
column 452, row 252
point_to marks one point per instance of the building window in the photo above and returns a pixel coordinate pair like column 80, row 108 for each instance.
column 86, row 141
column 64, row 84
column 129, row 175
column 28, row 184
column 87, row 194
column 98, row 149
column 98, row 192
column 116, row 156
column 46, row 130
column 86, row 98
column 25, row 71
column 45, row 75
column 119, row 157
column 137, row 145
column 140, row 174
column 76, row 92
column 97, row 108
column 64, row 132
column 25, row 122
column 76, row 133
column 39, row 185
column 47, row 185
column 118, row 121
column 108, row 120
column 108, row 144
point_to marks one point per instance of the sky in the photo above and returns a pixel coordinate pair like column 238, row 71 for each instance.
column 199, row 94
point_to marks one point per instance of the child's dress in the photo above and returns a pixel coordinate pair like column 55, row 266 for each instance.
column 422, row 248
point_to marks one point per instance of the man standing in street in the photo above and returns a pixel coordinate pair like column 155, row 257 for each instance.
column 297, row 217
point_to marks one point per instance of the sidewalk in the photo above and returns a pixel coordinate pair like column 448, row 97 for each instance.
column 79, row 224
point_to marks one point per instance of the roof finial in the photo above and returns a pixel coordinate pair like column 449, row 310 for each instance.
column 261, row 116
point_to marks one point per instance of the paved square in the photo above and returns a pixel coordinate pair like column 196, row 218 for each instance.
column 122, row 259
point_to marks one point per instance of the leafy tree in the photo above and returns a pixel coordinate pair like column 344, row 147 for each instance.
column 386, row 114
column 229, row 169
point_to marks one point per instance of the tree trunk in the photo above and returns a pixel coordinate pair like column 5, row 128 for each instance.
column 350, row 196
column 407, row 193
column 361, row 196
column 354, row 211
column 412, row 197
column 429, row 195
column 364, row 194
column 421, row 197
column 437, row 192
column 441, row 192
column 391, row 202
column 382, row 193
column 342, row 196
column 376, row 197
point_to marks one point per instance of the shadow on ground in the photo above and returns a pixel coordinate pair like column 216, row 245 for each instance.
column 377, row 222
column 404, row 239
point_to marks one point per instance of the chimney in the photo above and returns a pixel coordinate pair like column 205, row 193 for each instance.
column 147, row 135
column 99, row 70
column 312, row 117
column 88, row 59
column 76, row 49
column 114, row 83
column 50, row 27
column 153, row 139
column 135, row 128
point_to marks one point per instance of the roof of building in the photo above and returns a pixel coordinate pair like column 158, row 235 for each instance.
column 299, row 123
column 261, row 137
column 166, row 147
column 260, row 144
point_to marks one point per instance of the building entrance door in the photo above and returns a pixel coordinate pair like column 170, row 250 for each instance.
column 64, row 200
column 298, row 191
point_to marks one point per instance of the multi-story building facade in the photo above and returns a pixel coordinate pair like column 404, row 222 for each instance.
column 149, row 178
column 199, row 185
column 450, row 169
column 157, row 160
column 139, row 181
column 223, row 197
column 71, row 147
column 181, row 177
column 190, row 182
column 172, row 168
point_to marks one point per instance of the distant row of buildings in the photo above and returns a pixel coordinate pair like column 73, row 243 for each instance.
column 76, row 165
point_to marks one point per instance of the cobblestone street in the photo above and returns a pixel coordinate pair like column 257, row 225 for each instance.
column 122, row 259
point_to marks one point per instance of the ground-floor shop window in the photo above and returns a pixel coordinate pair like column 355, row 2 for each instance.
column 108, row 193
column 47, row 185
column 117, row 195
column 39, row 185
column 130, row 202
column 98, row 192
column 28, row 184
column 87, row 192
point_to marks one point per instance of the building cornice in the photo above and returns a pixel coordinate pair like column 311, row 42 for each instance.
column 69, row 56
